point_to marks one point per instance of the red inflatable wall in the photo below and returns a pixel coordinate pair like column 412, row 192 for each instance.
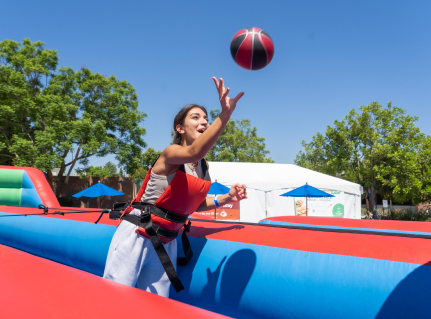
column 33, row 287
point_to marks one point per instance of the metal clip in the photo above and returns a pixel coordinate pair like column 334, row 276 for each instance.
column 45, row 209
column 145, row 213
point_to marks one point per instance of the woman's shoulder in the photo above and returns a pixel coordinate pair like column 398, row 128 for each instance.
column 162, row 166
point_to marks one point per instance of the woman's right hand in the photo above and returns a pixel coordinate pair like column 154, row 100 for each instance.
column 175, row 155
column 227, row 104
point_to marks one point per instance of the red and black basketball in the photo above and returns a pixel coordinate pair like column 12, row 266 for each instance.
column 252, row 48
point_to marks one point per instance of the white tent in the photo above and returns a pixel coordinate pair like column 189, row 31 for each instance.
column 266, row 182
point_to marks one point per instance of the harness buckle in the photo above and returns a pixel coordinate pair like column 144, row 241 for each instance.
column 145, row 213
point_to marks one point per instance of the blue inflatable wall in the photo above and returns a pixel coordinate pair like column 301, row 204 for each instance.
column 260, row 271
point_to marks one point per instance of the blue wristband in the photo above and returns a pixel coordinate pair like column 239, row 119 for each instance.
column 216, row 202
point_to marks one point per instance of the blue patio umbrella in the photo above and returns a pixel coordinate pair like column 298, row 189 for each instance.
column 98, row 190
column 217, row 189
column 306, row 191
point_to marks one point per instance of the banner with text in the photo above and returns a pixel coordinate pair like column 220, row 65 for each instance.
column 229, row 211
column 321, row 206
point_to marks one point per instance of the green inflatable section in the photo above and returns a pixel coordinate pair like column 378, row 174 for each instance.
column 11, row 178
column 10, row 187
column 10, row 196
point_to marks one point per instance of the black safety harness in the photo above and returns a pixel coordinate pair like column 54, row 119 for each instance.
column 154, row 232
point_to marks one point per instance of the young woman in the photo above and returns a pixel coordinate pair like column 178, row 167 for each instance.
column 176, row 186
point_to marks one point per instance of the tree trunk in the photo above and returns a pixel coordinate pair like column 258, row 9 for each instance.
column 62, row 166
column 372, row 198
column 51, row 182
column 72, row 165
column 69, row 172
column 62, row 169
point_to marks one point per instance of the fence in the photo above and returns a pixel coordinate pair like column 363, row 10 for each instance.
column 125, row 185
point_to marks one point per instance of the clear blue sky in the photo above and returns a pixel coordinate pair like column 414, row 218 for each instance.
column 330, row 57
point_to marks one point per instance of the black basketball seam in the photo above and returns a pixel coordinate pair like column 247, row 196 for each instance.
column 238, row 35
column 241, row 38
column 266, row 34
column 259, row 54
column 239, row 46
column 264, row 47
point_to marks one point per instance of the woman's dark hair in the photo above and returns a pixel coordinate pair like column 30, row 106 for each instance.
column 180, row 118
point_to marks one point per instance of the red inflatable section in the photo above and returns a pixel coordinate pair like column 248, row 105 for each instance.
column 403, row 249
column 33, row 287
column 40, row 183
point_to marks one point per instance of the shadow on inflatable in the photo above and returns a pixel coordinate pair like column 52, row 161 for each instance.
column 222, row 287
column 411, row 298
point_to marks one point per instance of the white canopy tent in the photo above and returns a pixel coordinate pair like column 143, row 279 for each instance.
column 266, row 182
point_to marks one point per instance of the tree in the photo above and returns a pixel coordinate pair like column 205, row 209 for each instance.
column 238, row 143
column 144, row 162
column 50, row 114
column 379, row 148
column 112, row 169
column 108, row 170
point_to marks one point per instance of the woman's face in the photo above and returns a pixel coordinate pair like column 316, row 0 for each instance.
column 195, row 123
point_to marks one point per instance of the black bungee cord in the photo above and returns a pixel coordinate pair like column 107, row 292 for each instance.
column 300, row 227
column 68, row 211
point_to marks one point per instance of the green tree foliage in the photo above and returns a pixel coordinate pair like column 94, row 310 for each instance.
column 144, row 161
column 238, row 143
column 49, row 114
column 379, row 148
column 121, row 173
column 112, row 169
column 108, row 170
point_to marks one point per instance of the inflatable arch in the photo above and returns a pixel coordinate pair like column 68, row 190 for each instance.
column 286, row 267
column 25, row 187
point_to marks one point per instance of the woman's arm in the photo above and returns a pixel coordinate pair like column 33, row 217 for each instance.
column 236, row 193
column 177, row 155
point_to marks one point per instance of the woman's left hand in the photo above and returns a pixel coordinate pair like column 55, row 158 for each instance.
column 237, row 192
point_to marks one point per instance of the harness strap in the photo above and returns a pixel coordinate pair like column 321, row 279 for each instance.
column 136, row 220
column 154, row 231
column 174, row 217
column 205, row 171
column 161, row 251
column 163, row 213
column 187, row 248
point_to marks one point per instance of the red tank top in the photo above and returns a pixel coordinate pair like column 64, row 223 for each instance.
column 182, row 196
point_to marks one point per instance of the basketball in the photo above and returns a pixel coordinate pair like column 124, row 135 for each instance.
column 252, row 48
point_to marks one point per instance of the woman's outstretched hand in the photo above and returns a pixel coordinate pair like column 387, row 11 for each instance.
column 227, row 104
column 237, row 192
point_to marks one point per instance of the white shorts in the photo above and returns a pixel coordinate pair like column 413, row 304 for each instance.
column 133, row 261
